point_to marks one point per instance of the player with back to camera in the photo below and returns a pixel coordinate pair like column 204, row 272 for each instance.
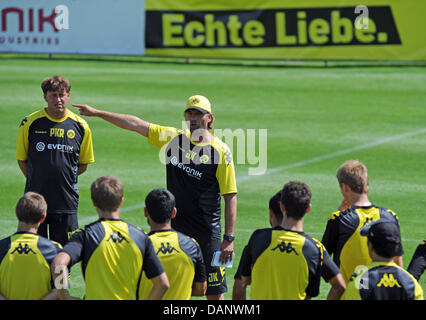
column 114, row 253
column 25, row 256
column 284, row 263
column 342, row 237
column 180, row 255
column 200, row 170
column 275, row 218
column 383, row 279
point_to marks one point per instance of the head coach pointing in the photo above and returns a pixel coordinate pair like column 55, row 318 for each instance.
column 199, row 170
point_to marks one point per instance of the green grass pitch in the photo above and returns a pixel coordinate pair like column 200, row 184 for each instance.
column 316, row 118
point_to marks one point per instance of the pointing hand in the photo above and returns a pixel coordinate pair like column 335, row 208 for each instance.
column 86, row 110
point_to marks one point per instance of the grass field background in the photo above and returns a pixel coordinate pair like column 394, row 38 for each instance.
column 316, row 118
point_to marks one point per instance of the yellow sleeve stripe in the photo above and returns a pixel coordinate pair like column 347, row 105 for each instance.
column 225, row 173
column 23, row 132
column 334, row 215
column 159, row 136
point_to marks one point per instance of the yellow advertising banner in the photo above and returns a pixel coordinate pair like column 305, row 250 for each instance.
column 287, row 29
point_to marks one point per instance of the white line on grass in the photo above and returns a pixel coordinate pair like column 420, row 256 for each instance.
column 136, row 206
column 334, row 154
column 314, row 160
column 267, row 73
column 86, row 220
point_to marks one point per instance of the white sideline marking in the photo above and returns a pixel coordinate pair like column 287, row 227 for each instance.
column 267, row 72
column 310, row 161
column 335, row 154
column 136, row 206
column 86, row 220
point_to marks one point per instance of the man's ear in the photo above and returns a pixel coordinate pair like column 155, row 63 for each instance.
column 145, row 210
column 282, row 208
column 174, row 213
column 121, row 202
column 44, row 218
column 345, row 187
column 271, row 214
column 309, row 208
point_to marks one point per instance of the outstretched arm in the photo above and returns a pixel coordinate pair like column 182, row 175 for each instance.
column 124, row 121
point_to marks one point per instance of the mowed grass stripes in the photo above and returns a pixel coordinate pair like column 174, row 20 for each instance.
column 311, row 115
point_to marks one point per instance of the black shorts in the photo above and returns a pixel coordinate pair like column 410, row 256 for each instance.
column 216, row 279
column 60, row 227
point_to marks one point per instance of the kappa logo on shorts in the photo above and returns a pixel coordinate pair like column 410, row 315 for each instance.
column 164, row 250
column 23, row 249
column 287, row 248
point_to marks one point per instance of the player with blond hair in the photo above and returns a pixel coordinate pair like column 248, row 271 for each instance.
column 342, row 237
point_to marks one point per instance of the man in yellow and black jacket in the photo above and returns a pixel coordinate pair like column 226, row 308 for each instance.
column 199, row 172
column 53, row 147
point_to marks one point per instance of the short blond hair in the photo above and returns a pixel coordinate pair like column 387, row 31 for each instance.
column 354, row 174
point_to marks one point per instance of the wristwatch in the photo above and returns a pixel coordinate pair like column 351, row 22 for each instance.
column 228, row 237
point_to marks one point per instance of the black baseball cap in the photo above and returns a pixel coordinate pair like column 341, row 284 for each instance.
column 385, row 237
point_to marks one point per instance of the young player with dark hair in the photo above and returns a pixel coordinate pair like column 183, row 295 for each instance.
column 283, row 263
column 383, row 279
column 180, row 255
column 275, row 219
